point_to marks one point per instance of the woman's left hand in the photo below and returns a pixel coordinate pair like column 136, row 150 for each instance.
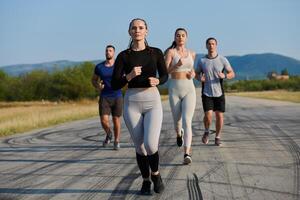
column 153, row 81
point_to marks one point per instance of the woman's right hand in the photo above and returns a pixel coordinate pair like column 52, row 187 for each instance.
column 136, row 71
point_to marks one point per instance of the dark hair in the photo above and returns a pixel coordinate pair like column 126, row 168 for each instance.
column 211, row 38
column 110, row 46
column 173, row 45
column 130, row 24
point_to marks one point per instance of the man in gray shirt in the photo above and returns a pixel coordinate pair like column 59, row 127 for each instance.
column 211, row 72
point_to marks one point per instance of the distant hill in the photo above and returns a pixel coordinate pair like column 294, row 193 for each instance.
column 257, row 66
column 251, row 66
column 15, row 70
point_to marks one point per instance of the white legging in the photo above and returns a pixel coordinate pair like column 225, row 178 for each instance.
column 182, row 97
column 143, row 117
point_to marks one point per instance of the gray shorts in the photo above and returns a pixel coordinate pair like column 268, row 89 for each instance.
column 111, row 105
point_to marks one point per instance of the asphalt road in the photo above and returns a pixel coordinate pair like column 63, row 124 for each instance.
column 259, row 159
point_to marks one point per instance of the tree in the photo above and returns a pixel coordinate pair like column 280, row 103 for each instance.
column 284, row 72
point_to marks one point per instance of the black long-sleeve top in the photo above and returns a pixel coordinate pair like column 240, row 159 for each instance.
column 152, row 61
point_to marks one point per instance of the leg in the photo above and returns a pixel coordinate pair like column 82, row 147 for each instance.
column 152, row 127
column 175, row 104
column 208, row 107
column 134, row 121
column 219, row 123
column 117, row 110
column 117, row 128
column 207, row 120
column 104, row 119
column 188, row 108
column 219, row 107
column 104, row 111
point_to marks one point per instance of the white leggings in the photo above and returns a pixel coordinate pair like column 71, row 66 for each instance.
column 182, row 97
column 143, row 117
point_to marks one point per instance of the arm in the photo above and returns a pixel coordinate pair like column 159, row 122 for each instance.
column 95, row 79
column 168, row 61
column 230, row 73
column 118, row 79
column 97, row 82
column 199, row 73
column 191, row 74
column 161, row 68
column 162, row 71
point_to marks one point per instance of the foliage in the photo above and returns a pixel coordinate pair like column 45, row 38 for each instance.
column 69, row 84
column 292, row 84
column 285, row 72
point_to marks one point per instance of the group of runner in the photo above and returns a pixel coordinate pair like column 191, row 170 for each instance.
column 142, row 68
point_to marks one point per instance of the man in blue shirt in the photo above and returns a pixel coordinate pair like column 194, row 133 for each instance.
column 110, row 101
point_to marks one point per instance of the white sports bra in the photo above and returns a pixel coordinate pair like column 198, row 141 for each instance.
column 187, row 62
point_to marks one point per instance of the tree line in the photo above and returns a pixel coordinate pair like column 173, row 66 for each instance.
column 292, row 84
column 74, row 83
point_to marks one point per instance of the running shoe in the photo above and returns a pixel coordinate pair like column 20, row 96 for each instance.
column 116, row 146
column 205, row 138
column 146, row 188
column 187, row 159
column 107, row 139
column 157, row 182
column 180, row 139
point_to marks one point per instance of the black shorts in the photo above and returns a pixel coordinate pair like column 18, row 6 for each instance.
column 110, row 105
column 213, row 103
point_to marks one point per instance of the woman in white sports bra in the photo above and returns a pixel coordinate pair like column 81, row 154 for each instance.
column 182, row 95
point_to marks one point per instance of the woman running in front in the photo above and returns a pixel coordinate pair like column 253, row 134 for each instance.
column 182, row 95
column 138, row 66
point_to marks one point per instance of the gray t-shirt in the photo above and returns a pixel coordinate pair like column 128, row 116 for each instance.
column 210, row 67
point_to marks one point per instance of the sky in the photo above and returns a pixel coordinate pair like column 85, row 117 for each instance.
column 36, row 31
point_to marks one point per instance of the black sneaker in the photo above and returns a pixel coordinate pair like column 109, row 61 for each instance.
column 187, row 159
column 158, row 184
column 146, row 188
column 179, row 139
column 107, row 139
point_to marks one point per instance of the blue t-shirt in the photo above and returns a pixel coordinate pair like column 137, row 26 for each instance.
column 105, row 74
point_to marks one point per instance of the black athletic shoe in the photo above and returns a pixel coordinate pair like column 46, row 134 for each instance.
column 180, row 139
column 146, row 188
column 158, row 184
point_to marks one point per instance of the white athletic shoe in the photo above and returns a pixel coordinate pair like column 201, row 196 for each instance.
column 187, row 159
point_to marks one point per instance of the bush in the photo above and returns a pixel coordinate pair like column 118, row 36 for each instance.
column 292, row 84
column 69, row 84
